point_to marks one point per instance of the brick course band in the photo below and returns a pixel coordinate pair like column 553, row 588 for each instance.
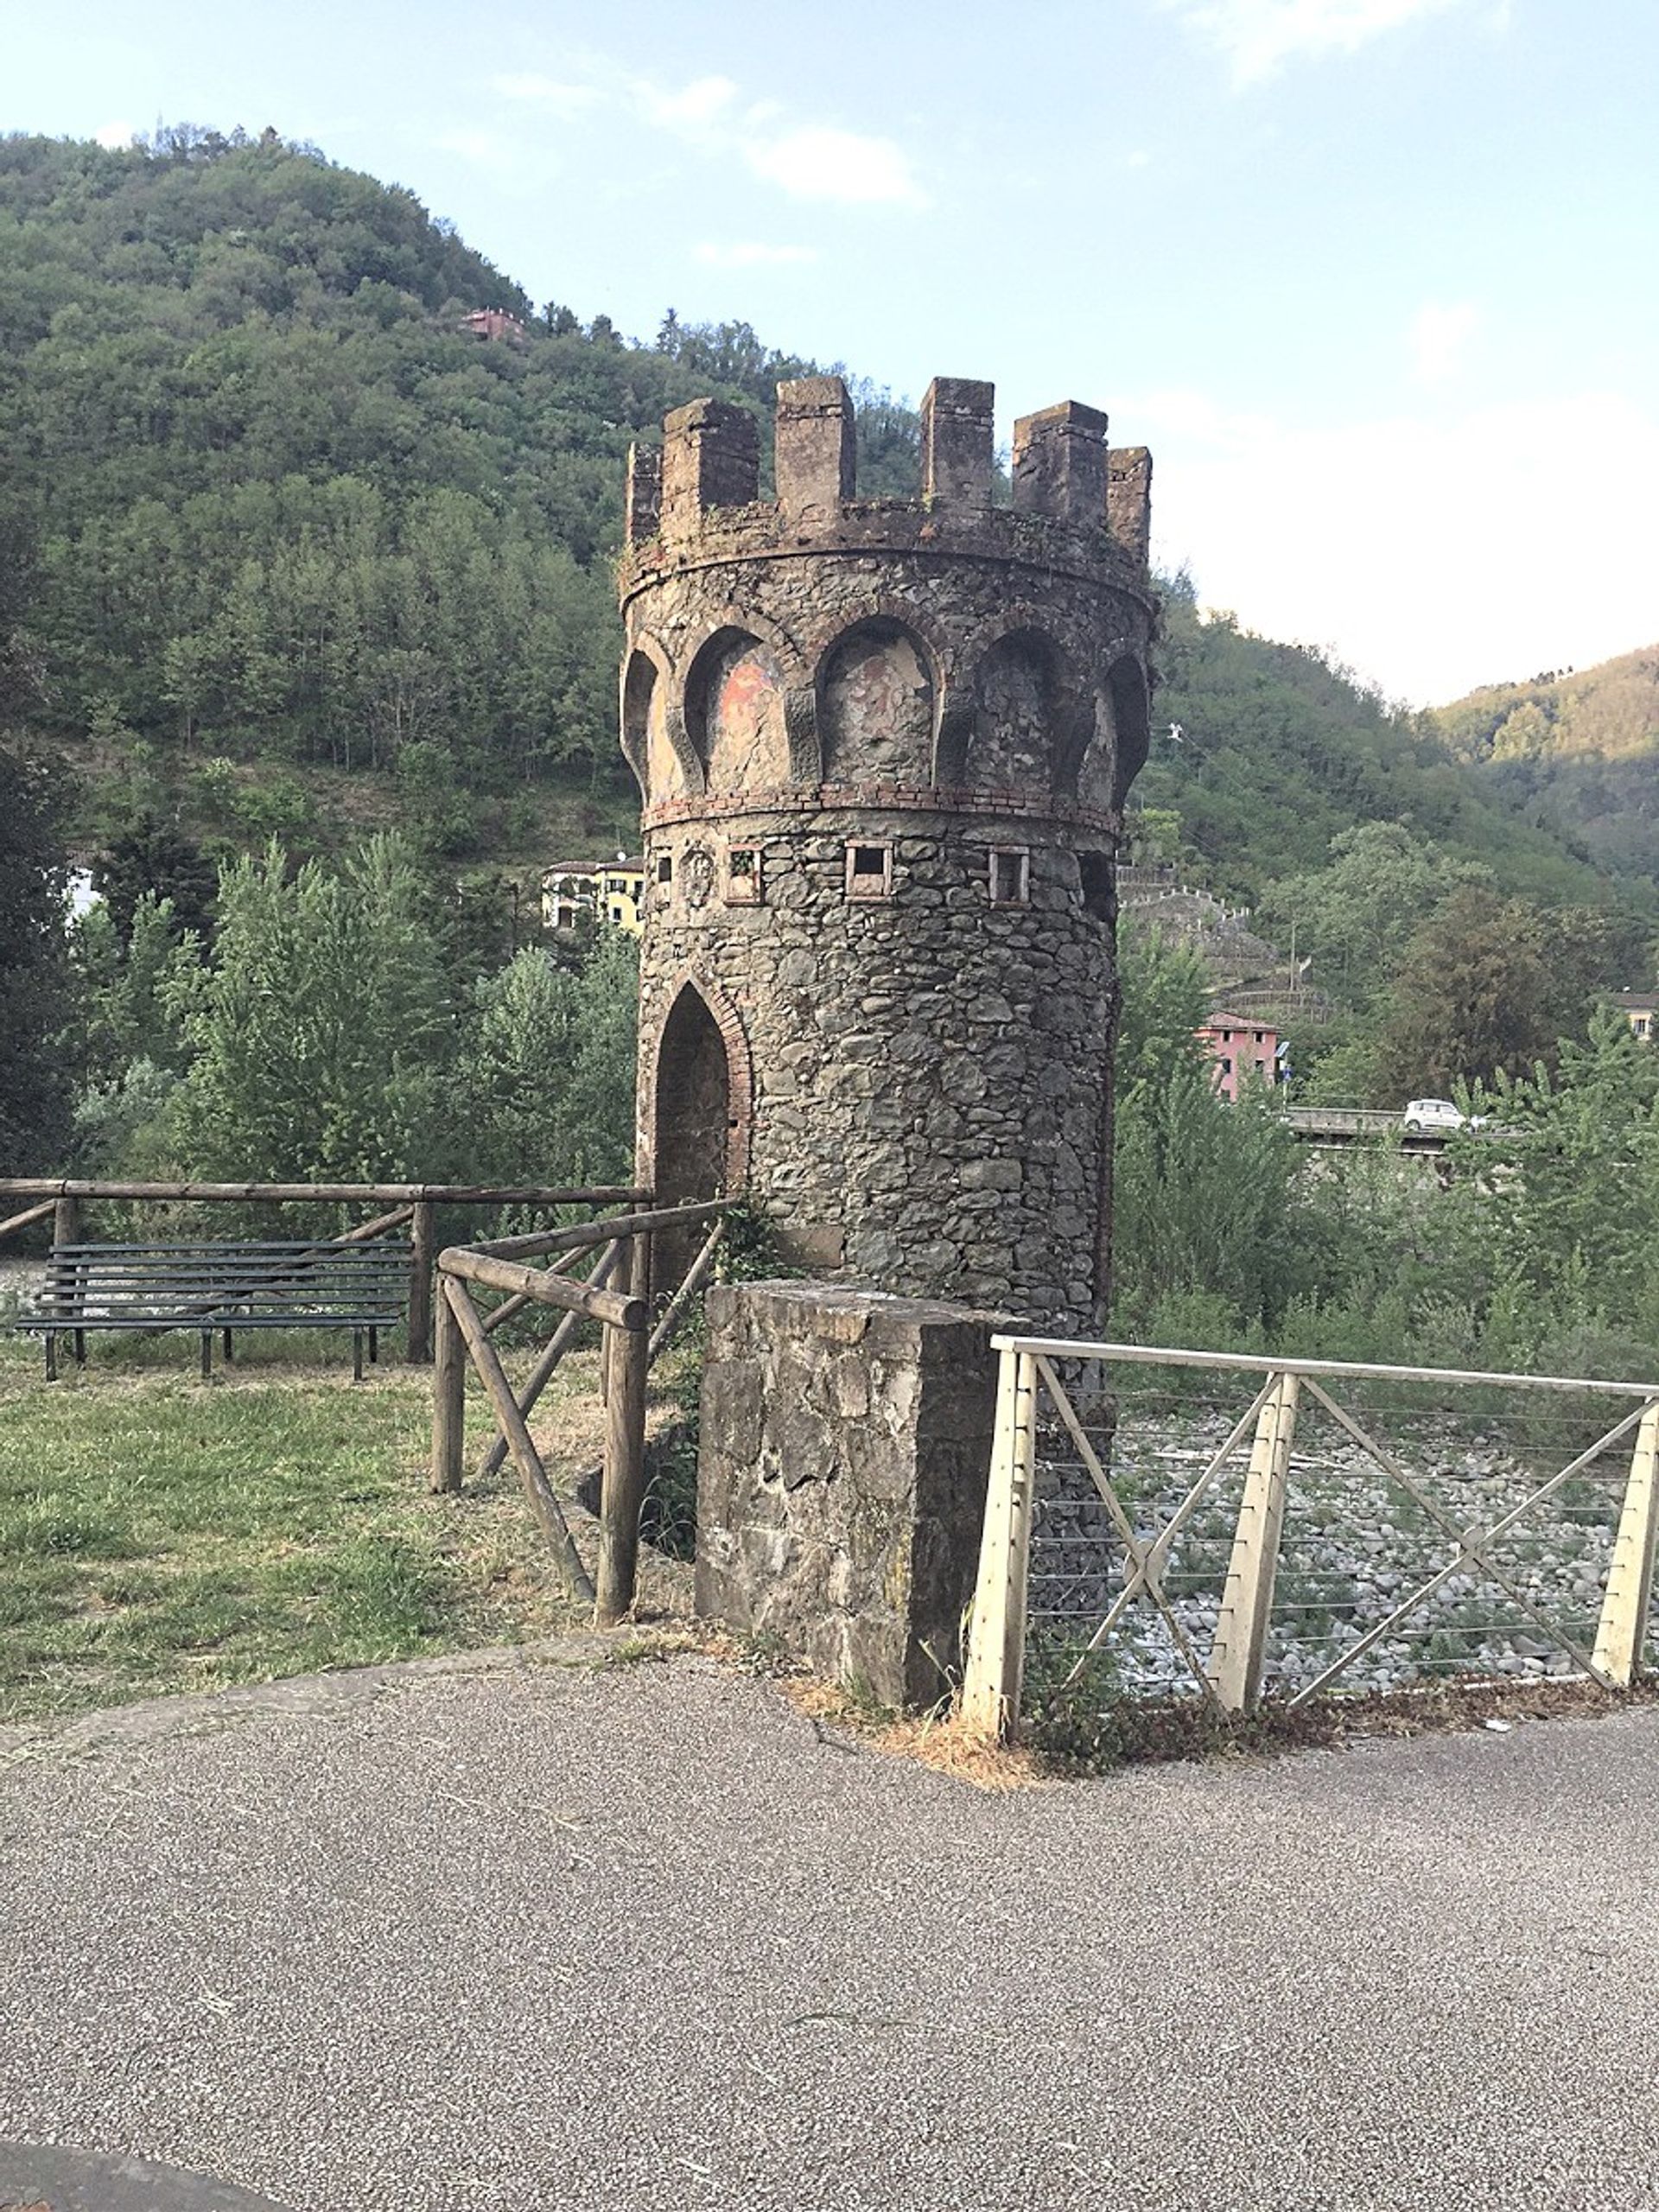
column 882, row 749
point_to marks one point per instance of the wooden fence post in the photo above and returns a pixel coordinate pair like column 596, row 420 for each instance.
column 997, row 1636
column 421, row 1256
column 623, row 1489
column 449, row 1400
column 1241, row 1644
column 1621, row 1631
column 66, row 1222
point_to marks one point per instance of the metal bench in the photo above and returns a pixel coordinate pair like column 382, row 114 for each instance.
column 218, row 1289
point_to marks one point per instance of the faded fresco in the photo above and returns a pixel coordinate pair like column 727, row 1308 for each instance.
column 748, row 746
column 878, row 709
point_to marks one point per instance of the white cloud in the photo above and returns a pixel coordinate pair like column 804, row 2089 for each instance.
column 1257, row 37
column 808, row 160
column 750, row 253
column 558, row 98
column 115, row 135
column 1439, row 339
column 1433, row 555
column 816, row 162
column 696, row 108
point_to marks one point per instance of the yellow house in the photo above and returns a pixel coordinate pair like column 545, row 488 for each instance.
column 1641, row 1010
column 613, row 892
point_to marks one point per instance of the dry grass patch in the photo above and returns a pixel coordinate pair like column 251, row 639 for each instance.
column 942, row 1742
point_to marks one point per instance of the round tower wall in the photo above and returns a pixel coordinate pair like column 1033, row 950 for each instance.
column 883, row 749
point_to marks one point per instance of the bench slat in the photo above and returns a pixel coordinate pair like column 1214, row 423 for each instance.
column 291, row 1283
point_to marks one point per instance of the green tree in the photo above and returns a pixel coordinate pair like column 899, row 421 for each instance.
column 320, row 1027
column 154, row 860
column 1560, row 1196
column 1479, row 992
column 547, row 1070
column 34, row 970
column 1209, row 1227
column 129, row 991
column 1355, row 917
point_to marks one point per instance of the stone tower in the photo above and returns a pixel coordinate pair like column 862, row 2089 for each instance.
column 883, row 747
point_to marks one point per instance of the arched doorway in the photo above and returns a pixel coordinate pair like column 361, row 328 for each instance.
column 692, row 1104
column 700, row 1098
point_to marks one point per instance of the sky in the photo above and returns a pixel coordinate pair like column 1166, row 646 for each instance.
column 1375, row 279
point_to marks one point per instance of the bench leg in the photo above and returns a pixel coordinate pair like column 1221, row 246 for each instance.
column 374, row 1347
column 80, row 1347
column 51, row 1355
column 357, row 1354
column 207, row 1354
column 229, row 1349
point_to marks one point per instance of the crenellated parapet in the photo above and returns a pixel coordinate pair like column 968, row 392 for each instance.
column 883, row 747
column 1075, row 502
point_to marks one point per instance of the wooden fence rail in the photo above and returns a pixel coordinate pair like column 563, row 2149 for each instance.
column 1036, row 1414
column 464, row 1332
column 65, row 1197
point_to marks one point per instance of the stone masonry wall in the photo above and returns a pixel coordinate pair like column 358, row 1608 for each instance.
column 845, row 1446
column 883, row 747
column 929, row 1072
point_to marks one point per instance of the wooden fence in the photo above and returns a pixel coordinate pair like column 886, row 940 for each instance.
column 415, row 1203
column 1566, row 1554
column 612, row 1293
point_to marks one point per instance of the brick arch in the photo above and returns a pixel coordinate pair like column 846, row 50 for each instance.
column 644, row 644
column 819, row 642
column 793, row 658
column 871, row 619
column 1129, row 691
column 688, row 988
column 794, row 669
column 1067, row 711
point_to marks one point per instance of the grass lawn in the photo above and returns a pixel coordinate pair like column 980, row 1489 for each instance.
column 159, row 1536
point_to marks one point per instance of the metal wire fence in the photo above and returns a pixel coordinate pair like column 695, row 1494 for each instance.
column 1162, row 1527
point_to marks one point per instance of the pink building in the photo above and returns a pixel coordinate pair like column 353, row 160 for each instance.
column 492, row 324
column 1240, row 1048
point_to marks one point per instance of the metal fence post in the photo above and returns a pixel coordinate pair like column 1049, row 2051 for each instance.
column 1240, row 1647
column 996, row 1638
column 1622, row 1630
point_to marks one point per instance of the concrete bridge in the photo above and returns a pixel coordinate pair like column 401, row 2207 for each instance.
column 1337, row 1125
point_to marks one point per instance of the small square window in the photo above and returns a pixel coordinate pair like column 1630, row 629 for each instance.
column 665, row 867
column 743, row 878
column 869, row 871
column 1010, row 875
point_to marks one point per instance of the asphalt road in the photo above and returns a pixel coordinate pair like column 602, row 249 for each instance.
column 555, row 1937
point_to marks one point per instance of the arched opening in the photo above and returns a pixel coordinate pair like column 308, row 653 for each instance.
column 697, row 1100
column 648, row 737
column 1132, row 720
column 639, row 688
column 876, row 717
column 735, row 714
column 1118, row 744
column 693, row 1104
column 1016, row 710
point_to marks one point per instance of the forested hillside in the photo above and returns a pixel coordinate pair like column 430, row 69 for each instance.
column 1269, row 753
column 285, row 549
column 1578, row 747
column 289, row 548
